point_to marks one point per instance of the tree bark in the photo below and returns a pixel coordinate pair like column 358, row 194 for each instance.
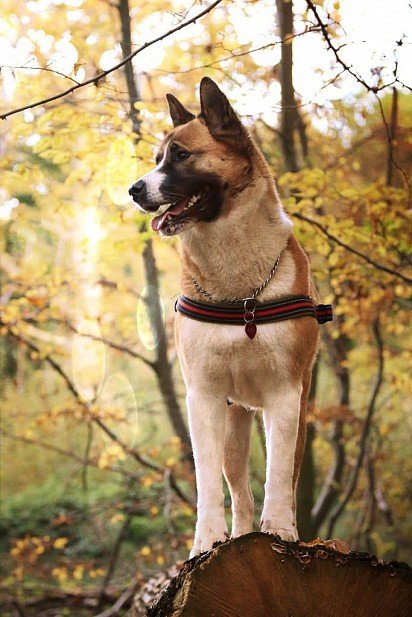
column 391, row 137
column 259, row 575
column 126, row 43
column 288, row 115
column 162, row 366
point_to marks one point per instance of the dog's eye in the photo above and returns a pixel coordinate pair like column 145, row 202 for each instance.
column 179, row 154
column 182, row 155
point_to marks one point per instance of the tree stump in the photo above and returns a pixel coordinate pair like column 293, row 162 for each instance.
column 259, row 575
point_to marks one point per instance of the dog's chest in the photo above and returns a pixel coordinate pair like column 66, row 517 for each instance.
column 222, row 357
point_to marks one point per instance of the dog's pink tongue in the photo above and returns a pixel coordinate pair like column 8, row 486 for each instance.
column 159, row 221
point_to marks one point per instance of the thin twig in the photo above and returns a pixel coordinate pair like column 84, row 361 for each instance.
column 351, row 249
column 117, row 346
column 339, row 60
column 43, row 68
column 122, row 602
column 79, row 459
column 100, row 76
column 121, row 536
column 236, row 53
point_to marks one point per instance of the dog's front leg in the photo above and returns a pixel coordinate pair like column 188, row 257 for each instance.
column 281, row 419
column 207, row 418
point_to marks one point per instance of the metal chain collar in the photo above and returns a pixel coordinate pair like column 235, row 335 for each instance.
column 254, row 294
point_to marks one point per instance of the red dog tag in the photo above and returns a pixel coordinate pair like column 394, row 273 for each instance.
column 251, row 329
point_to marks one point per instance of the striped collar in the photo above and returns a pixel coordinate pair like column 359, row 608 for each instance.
column 249, row 312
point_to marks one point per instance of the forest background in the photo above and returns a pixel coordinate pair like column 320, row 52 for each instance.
column 97, row 482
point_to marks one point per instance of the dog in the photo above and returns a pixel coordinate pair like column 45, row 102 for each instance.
column 213, row 187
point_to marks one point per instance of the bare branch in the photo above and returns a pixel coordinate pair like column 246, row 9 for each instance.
column 96, row 420
column 337, row 349
column 43, row 68
column 117, row 346
column 331, row 485
column 121, row 537
column 353, row 480
column 351, row 249
column 335, row 50
column 100, row 76
column 49, row 360
column 66, row 453
column 121, row 602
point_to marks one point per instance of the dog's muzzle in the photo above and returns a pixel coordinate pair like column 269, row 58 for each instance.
column 138, row 192
column 136, row 188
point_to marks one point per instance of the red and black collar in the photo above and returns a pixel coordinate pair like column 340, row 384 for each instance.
column 249, row 312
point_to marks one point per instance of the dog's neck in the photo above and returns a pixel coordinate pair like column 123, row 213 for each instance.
column 232, row 256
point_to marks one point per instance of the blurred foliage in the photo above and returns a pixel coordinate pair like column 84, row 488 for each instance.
column 72, row 274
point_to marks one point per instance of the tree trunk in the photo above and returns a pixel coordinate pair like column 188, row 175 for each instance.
column 391, row 137
column 292, row 124
column 259, row 575
column 289, row 114
column 162, row 365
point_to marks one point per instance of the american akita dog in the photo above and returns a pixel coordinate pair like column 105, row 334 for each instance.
column 213, row 187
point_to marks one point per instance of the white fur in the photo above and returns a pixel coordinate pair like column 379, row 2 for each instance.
column 220, row 362
column 207, row 428
column 153, row 180
column 278, row 516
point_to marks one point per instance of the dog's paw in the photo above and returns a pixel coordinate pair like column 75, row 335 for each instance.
column 286, row 532
column 206, row 535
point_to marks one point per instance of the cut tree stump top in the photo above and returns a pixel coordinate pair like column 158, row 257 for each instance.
column 259, row 575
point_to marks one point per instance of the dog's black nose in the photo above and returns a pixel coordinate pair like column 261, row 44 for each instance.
column 136, row 188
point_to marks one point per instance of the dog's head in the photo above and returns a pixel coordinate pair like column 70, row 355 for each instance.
column 200, row 162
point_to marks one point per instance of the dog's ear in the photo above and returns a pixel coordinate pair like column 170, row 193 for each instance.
column 219, row 116
column 178, row 113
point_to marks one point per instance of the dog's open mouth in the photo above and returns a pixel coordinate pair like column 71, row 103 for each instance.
column 176, row 213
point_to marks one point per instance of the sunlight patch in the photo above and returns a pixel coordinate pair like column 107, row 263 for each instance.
column 88, row 360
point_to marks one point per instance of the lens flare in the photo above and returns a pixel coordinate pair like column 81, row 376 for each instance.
column 118, row 406
column 121, row 170
column 150, row 317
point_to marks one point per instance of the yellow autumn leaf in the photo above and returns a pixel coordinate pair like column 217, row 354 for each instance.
column 117, row 518
column 60, row 543
column 78, row 572
column 60, row 574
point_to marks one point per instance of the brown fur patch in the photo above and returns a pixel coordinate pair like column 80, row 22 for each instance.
column 210, row 155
